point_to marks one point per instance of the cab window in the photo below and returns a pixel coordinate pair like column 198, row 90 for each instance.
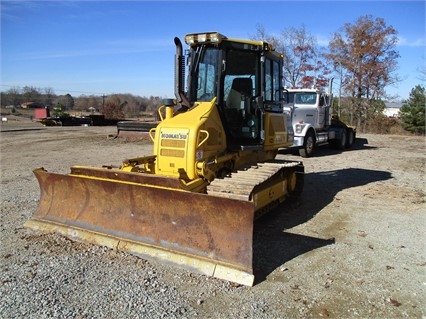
column 272, row 85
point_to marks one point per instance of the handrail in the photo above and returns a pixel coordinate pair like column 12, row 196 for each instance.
column 151, row 131
column 205, row 139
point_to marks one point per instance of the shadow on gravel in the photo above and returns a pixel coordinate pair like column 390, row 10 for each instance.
column 273, row 246
column 325, row 150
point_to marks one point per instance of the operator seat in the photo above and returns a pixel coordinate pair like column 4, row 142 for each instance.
column 241, row 89
column 237, row 102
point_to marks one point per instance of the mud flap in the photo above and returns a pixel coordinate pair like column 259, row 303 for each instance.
column 198, row 232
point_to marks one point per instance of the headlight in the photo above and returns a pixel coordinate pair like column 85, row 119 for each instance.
column 210, row 37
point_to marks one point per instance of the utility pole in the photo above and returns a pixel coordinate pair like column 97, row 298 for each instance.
column 339, row 106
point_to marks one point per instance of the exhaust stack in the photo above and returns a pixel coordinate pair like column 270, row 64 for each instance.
column 179, row 71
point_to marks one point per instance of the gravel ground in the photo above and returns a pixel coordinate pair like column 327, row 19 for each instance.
column 352, row 246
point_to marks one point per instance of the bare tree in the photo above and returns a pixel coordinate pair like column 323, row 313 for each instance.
column 31, row 94
column 262, row 35
column 300, row 57
column 67, row 101
column 304, row 64
column 365, row 51
column 93, row 102
column 11, row 97
column 86, row 103
column 131, row 109
column 80, row 103
column 113, row 108
column 48, row 96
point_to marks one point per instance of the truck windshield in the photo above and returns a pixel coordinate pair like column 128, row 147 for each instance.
column 204, row 78
column 305, row 98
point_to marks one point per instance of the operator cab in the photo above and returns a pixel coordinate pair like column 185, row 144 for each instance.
column 235, row 72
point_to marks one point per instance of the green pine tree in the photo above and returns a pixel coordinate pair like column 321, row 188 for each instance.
column 413, row 111
column 59, row 110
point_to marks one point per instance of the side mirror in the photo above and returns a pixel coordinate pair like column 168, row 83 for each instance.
column 286, row 95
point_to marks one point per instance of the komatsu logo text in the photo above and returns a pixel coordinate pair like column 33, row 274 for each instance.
column 177, row 136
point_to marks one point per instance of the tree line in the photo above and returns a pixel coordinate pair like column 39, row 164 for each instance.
column 115, row 106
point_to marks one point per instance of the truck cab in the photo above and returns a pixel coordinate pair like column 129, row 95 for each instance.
column 312, row 120
column 310, row 106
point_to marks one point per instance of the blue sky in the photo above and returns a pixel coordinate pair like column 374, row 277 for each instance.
column 106, row 47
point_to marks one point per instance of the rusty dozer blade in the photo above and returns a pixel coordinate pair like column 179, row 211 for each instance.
column 202, row 233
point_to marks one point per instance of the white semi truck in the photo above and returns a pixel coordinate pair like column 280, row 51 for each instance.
column 313, row 123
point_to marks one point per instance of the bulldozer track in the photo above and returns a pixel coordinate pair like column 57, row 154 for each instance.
column 240, row 184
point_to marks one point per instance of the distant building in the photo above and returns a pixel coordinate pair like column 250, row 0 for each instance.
column 32, row 105
column 392, row 108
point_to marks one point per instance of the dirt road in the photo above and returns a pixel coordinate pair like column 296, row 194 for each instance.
column 352, row 246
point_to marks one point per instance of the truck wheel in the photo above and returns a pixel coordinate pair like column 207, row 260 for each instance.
column 307, row 150
column 350, row 138
column 342, row 142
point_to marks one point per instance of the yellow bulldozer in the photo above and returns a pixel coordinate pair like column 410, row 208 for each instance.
column 213, row 170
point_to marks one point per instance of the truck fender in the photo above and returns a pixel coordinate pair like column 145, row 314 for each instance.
column 306, row 127
column 308, row 141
